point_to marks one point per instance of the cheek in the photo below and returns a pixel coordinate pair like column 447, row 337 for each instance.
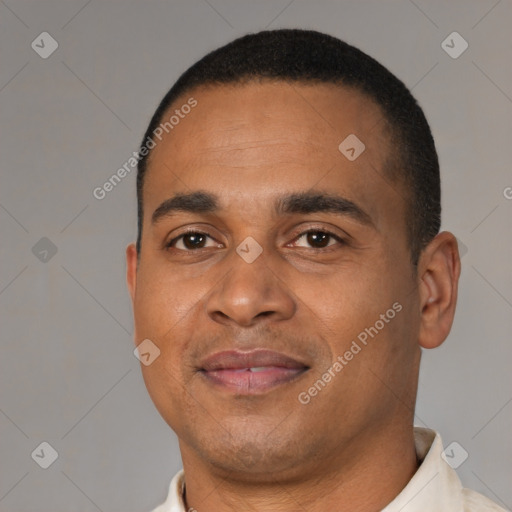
column 349, row 300
column 367, row 304
column 162, row 305
column 163, row 386
column 162, row 300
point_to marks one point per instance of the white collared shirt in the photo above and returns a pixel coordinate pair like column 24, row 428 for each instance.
column 435, row 487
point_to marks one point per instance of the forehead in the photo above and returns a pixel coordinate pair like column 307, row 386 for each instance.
column 311, row 116
column 269, row 137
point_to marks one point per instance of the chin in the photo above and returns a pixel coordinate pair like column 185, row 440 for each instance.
column 253, row 456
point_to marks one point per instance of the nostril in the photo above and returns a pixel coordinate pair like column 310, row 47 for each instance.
column 264, row 313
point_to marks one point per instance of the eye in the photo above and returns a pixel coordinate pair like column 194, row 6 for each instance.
column 196, row 240
column 318, row 239
column 190, row 241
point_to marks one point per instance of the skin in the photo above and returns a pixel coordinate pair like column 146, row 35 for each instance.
column 351, row 447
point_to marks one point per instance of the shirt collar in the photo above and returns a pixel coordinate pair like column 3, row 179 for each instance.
column 435, row 486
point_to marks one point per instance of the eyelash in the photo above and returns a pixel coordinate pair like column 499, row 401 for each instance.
column 340, row 240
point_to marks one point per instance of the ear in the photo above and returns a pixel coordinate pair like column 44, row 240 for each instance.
column 438, row 274
column 131, row 269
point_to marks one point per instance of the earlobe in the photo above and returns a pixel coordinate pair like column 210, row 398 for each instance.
column 131, row 269
column 439, row 270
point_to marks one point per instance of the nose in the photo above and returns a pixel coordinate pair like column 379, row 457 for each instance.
column 249, row 294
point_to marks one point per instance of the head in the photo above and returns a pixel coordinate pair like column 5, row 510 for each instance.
column 297, row 243
column 309, row 57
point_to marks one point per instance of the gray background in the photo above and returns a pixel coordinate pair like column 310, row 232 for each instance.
column 68, row 373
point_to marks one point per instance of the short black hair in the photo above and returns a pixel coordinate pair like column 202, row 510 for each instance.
column 307, row 56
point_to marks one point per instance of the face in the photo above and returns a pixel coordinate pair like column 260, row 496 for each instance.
column 282, row 298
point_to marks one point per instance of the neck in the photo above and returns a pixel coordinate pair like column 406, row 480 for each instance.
column 364, row 477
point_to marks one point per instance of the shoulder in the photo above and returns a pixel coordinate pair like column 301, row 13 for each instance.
column 476, row 502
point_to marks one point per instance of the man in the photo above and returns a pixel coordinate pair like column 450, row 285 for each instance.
column 287, row 272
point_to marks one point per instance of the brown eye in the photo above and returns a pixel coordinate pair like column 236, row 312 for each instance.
column 190, row 241
column 318, row 239
column 194, row 240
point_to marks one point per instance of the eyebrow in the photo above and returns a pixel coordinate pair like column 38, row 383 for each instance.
column 302, row 202
column 195, row 202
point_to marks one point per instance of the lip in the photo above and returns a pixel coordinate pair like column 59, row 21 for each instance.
column 252, row 372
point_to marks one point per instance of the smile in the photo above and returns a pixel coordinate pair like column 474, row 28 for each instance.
column 252, row 372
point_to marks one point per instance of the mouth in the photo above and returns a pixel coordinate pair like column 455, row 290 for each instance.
column 253, row 372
